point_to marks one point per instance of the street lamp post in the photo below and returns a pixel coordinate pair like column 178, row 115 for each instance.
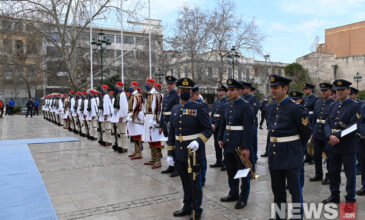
column 267, row 57
column 101, row 45
column 159, row 75
column 357, row 78
column 233, row 56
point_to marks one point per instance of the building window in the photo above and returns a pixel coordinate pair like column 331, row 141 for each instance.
column 247, row 75
column 109, row 37
column 19, row 47
column 56, row 37
column 240, row 74
column 128, row 39
column 141, row 41
column 8, row 75
column 117, row 39
column 210, row 72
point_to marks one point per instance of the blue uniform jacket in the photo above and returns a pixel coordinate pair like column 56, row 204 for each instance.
column 321, row 112
column 361, row 122
column 217, row 111
column 237, row 113
column 169, row 100
column 308, row 103
column 189, row 119
column 287, row 119
column 343, row 115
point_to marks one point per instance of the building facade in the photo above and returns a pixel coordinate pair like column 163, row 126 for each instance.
column 341, row 56
column 40, row 62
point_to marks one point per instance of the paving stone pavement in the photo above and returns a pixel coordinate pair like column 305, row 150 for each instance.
column 87, row 181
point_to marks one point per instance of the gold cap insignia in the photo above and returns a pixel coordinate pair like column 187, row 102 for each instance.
column 272, row 79
column 305, row 84
column 339, row 83
column 322, row 85
column 170, row 78
column 358, row 116
column 305, row 121
column 294, row 94
column 185, row 82
column 230, row 82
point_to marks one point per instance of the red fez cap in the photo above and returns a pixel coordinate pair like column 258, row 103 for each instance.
column 150, row 80
column 72, row 92
column 84, row 93
column 78, row 93
column 128, row 93
column 120, row 84
column 134, row 83
column 111, row 92
column 158, row 84
column 65, row 95
column 105, row 86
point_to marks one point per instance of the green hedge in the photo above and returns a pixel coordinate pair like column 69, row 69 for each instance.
column 17, row 109
column 361, row 95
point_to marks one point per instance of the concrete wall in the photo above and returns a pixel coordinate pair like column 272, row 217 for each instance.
column 347, row 67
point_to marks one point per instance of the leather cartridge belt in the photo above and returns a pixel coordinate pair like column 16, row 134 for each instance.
column 311, row 112
column 187, row 137
column 321, row 121
column 284, row 139
column 234, row 128
column 216, row 115
column 334, row 131
column 166, row 113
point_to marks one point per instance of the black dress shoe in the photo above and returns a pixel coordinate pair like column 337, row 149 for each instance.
column 315, row 178
column 169, row 169
column 181, row 213
column 229, row 198
column 121, row 150
column 174, row 173
column 325, row 181
column 115, row 147
column 332, row 199
column 264, row 155
column 240, row 205
column 361, row 191
column 215, row 165
column 223, row 168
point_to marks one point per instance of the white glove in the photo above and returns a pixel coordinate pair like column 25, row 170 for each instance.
column 128, row 119
column 170, row 161
column 194, row 146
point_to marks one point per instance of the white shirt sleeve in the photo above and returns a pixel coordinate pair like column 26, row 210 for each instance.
column 123, row 105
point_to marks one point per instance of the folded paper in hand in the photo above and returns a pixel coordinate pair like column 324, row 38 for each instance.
column 242, row 173
column 349, row 130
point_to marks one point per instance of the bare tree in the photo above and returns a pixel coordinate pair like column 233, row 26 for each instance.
column 191, row 34
column 317, row 59
column 60, row 23
column 229, row 30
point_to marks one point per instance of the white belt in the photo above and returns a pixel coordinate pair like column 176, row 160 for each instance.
column 216, row 115
column 321, row 121
column 187, row 137
column 166, row 113
column 234, row 128
column 284, row 139
column 311, row 112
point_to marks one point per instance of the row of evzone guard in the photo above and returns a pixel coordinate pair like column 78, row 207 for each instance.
column 108, row 115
